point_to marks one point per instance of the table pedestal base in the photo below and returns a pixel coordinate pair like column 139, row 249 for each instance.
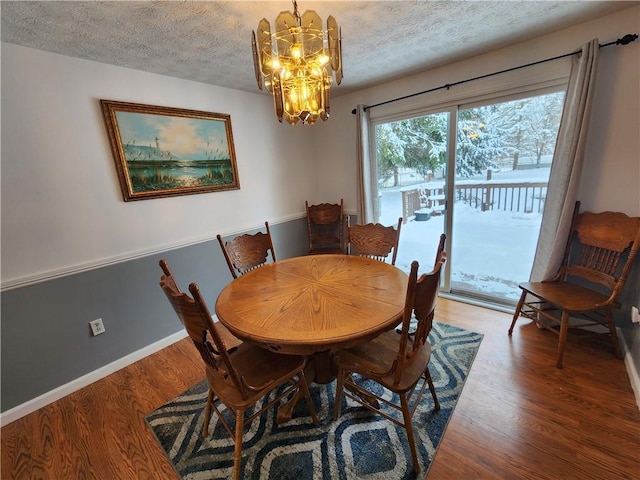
column 319, row 369
column 325, row 371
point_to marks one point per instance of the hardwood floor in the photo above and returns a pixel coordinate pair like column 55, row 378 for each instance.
column 518, row 416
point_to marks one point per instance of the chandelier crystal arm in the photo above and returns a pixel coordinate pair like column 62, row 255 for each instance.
column 256, row 60
column 335, row 47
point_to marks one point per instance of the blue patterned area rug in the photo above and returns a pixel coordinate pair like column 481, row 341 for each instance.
column 359, row 445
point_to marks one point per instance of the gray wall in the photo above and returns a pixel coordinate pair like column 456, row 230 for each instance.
column 45, row 332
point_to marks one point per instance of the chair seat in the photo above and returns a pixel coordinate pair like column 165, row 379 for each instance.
column 258, row 367
column 378, row 356
column 567, row 296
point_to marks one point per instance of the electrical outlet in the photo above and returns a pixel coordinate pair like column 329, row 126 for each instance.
column 97, row 327
column 635, row 315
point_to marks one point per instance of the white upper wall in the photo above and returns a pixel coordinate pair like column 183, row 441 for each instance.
column 611, row 173
column 62, row 208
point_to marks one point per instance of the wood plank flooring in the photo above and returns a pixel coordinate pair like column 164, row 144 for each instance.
column 518, row 416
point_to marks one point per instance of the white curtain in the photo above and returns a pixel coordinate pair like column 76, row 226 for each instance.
column 566, row 168
column 366, row 171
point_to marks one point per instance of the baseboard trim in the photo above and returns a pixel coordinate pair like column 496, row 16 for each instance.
column 632, row 371
column 64, row 390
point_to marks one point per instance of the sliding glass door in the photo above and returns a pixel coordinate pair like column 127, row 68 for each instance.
column 411, row 159
column 478, row 173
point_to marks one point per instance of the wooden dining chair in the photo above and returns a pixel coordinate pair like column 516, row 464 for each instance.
column 597, row 259
column 229, row 339
column 246, row 252
column 374, row 240
column 325, row 224
column 399, row 362
column 240, row 377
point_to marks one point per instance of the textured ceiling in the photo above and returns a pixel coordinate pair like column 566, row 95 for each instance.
column 210, row 41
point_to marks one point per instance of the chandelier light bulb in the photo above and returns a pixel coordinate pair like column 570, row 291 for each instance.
column 296, row 51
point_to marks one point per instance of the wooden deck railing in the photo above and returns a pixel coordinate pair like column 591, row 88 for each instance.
column 510, row 197
column 410, row 203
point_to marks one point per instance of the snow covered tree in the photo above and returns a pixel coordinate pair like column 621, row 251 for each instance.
column 488, row 137
column 417, row 143
column 480, row 139
column 424, row 142
column 389, row 153
column 540, row 122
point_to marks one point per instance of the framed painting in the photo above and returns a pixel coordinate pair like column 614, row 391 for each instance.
column 163, row 151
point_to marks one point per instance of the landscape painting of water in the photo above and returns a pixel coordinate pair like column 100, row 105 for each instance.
column 162, row 151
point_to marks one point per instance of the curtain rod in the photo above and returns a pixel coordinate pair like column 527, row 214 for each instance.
column 628, row 38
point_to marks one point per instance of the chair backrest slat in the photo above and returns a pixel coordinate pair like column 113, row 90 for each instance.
column 420, row 303
column 247, row 252
column 375, row 240
column 597, row 246
column 325, row 225
column 196, row 318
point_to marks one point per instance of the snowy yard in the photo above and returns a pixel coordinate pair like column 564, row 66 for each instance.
column 491, row 253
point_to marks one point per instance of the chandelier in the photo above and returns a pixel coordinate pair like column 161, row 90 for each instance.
column 296, row 63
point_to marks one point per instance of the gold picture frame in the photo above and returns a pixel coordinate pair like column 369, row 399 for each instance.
column 163, row 151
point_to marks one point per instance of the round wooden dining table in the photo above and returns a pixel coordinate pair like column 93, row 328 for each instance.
column 313, row 305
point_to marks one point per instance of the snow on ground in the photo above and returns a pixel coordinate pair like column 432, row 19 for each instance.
column 491, row 251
